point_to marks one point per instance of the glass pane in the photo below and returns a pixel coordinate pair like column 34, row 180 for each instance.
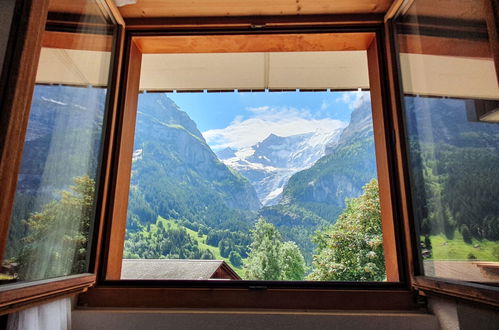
column 451, row 109
column 53, row 214
column 252, row 185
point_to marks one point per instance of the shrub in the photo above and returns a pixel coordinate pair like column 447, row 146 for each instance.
column 471, row 256
column 465, row 231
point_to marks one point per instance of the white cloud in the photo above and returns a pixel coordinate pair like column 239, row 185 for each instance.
column 259, row 109
column 266, row 120
column 354, row 99
column 345, row 98
column 325, row 105
column 361, row 98
column 237, row 119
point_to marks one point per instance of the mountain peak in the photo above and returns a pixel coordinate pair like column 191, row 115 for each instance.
column 270, row 163
column 164, row 110
column 226, row 153
column 272, row 137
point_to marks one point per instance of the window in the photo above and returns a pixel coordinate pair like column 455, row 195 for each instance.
column 416, row 35
column 50, row 232
column 270, row 171
column 450, row 101
column 183, row 204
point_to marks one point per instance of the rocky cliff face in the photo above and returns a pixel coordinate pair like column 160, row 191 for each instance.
column 313, row 198
column 359, row 128
column 63, row 138
column 174, row 153
column 347, row 166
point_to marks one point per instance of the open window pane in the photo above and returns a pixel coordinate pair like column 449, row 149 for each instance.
column 451, row 101
column 239, row 175
column 51, row 224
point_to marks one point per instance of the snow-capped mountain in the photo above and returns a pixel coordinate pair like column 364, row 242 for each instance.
column 269, row 164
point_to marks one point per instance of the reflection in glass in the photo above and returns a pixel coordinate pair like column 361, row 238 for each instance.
column 451, row 99
column 53, row 213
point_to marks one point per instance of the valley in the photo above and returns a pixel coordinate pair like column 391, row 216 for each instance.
column 195, row 197
column 297, row 183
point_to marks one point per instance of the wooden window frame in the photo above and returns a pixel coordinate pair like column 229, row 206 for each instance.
column 110, row 291
column 16, row 89
column 480, row 293
column 17, row 84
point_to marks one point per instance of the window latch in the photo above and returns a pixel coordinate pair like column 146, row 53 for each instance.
column 257, row 287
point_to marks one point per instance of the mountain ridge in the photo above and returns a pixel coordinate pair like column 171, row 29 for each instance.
column 313, row 198
column 178, row 165
column 270, row 163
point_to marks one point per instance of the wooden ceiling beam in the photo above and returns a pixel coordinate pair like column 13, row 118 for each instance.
column 254, row 43
column 224, row 8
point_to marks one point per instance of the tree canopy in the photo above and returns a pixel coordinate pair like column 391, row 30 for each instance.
column 271, row 259
column 352, row 248
column 57, row 237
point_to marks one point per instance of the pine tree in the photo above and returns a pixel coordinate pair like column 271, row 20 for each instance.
column 465, row 231
column 235, row 259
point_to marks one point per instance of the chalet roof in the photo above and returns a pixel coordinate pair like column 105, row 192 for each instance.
column 172, row 269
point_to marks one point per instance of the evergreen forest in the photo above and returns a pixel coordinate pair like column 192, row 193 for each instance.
column 185, row 203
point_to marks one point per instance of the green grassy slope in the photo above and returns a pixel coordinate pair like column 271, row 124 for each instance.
column 458, row 249
column 201, row 241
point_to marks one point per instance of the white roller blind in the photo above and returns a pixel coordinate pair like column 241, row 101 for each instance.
column 276, row 70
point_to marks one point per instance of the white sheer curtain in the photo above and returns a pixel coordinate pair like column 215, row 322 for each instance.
column 55, row 315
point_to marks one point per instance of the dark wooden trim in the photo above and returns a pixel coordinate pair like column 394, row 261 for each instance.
column 228, row 270
column 15, row 296
column 123, row 155
column 15, row 101
column 404, row 219
column 342, row 20
column 379, row 114
column 72, row 20
column 158, row 297
column 492, row 18
column 109, row 138
column 437, row 45
column 251, row 284
column 481, row 293
column 448, row 28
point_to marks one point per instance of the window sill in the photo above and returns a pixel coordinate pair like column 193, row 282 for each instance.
column 152, row 295
column 20, row 295
column 481, row 293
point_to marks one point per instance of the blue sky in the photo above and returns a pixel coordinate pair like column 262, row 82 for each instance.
column 242, row 119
